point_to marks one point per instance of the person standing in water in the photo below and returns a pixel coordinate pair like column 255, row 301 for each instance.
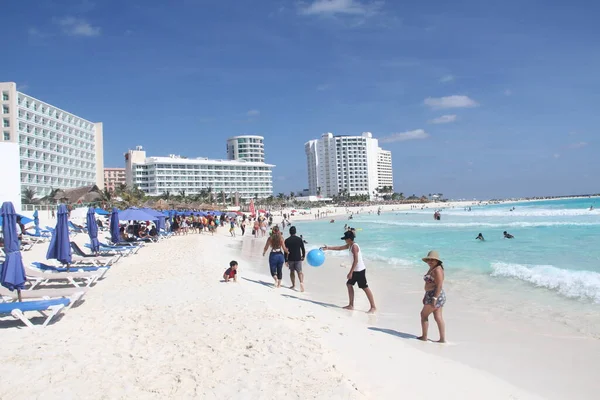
column 435, row 297
column 357, row 273
column 480, row 237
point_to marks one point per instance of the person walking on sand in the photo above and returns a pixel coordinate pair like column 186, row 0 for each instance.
column 294, row 257
column 435, row 297
column 357, row 272
column 276, row 257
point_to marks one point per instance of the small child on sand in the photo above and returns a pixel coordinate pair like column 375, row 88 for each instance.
column 231, row 272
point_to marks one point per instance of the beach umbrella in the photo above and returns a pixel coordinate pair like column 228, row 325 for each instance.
column 92, row 228
column 158, row 217
column 100, row 211
column 24, row 220
column 135, row 214
column 12, row 275
column 36, row 221
column 60, row 246
column 115, row 235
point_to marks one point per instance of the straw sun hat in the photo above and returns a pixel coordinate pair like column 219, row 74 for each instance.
column 432, row 255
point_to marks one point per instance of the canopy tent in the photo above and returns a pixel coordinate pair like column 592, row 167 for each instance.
column 135, row 214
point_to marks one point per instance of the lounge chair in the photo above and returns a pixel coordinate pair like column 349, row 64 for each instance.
column 76, row 229
column 76, row 268
column 48, row 309
column 73, row 294
column 36, row 277
column 99, row 260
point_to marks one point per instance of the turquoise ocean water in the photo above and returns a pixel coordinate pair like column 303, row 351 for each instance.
column 556, row 246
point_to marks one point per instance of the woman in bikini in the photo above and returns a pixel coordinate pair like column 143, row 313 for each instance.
column 435, row 297
column 276, row 257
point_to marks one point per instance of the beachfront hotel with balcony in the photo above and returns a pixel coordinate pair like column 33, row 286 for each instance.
column 113, row 178
column 43, row 147
column 176, row 174
column 246, row 147
column 352, row 165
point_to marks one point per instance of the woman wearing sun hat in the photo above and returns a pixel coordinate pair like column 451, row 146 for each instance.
column 435, row 298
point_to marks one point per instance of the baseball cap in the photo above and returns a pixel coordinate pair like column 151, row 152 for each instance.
column 348, row 235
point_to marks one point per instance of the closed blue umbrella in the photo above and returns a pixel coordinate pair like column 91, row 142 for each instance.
column 36, row 221
column 92, row 228
column 115, row 235
column 60, row 246
column 12, row 275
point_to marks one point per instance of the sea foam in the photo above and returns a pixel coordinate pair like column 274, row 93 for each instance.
column 584, row 285
column 517, row 224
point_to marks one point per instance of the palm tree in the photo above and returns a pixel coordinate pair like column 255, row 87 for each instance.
column 28, row 196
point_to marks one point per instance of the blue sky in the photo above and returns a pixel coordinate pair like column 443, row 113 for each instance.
column 474, row 99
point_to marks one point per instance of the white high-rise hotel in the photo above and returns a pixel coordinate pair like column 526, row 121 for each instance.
column 43, row 147
column 355, row 165
column 244, row 172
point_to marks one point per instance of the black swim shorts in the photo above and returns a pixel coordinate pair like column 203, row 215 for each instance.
column 359, row 277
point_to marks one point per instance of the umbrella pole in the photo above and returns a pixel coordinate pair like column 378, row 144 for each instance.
column 19, row 295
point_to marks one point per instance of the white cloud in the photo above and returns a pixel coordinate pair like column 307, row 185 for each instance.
column 331, row 7
column 72, row 26
column 403, row 136
column 578, row 145
column 556, row 155
column 22, row 87
column 455, row 101
column 447, row 78
column 508, row 92
column 34, row 33
column 253, row 113
column 324, row 86
column 444, row 119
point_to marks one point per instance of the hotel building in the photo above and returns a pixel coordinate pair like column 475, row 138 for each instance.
column 175, row 174
column 354, row 165
column 113, row 177
column 247, row 147
column 54, row 148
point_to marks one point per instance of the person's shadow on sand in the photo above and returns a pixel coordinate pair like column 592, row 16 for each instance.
column 319, row 303
column 267, row 284
column 393, row 332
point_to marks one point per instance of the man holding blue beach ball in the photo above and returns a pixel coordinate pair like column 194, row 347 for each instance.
column 357, row 273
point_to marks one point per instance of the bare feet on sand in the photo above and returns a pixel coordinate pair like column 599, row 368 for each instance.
column 302, row 287
column 373, row 310
column 293, row 287
column 349, row 308
column 441, row 341
column 422, row 338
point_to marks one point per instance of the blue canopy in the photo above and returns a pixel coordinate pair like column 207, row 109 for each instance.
column 135, row 214
column 36, row 221
column 158, row 217
column 92, row 228
column 12, row 275
column 60, row 246
column 100, row 211
column 115, row 235
column 24, row 219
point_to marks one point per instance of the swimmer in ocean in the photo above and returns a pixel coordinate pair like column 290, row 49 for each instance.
column 508, row 235
column 480, row 237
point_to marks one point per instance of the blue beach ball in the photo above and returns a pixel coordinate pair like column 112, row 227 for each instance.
column 315, row 258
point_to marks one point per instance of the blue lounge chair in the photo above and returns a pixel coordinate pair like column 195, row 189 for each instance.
column 46, row 267
column 48, row 309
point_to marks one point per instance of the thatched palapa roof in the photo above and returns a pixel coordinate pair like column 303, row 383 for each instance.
column 84, row 194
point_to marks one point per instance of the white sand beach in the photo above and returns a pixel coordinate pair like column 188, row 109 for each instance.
column 162, row 324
